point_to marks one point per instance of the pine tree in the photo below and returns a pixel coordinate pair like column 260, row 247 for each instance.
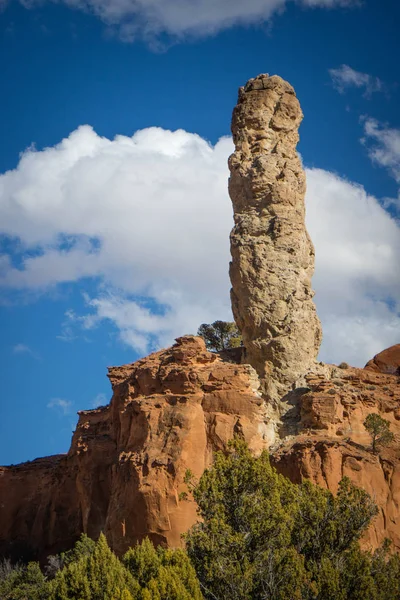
column 97, row 575
column 379, row 430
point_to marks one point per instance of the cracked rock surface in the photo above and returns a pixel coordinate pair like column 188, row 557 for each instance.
column 272, row 254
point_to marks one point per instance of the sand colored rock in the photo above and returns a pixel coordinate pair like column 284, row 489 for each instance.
column 124, row 472
column 272, row 254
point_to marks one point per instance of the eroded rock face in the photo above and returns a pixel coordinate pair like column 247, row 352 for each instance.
column 330, row 441
column 272, row 254
column 124, row 472
column 171, row 411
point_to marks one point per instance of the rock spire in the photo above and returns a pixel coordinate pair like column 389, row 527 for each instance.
column 272, row 254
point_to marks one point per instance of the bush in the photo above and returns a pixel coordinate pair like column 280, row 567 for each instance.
column 220, row 335
column 264, row 538
column 91, row 571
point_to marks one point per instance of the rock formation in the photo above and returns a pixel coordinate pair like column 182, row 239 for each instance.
column 387, row 361
column 272, row 254
column 124, row 471
column 171, row 411
column 331, row 441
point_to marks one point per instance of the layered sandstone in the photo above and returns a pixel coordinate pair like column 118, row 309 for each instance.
column 330, row 441
column 272, row 254
column 124, row 473
column 125, row 469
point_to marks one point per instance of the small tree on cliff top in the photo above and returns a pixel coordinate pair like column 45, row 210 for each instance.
column 220, row 335
column 379, row 430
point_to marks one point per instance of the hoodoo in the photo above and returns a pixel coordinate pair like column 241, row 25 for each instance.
column 171, row 411
column 272, row 254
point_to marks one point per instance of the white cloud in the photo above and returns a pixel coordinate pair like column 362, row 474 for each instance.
column 383, row 145
column 345, row 77
column 63, row 406
column 357, row 279
column 149, row 215
column 21, row 349
column 24, row 349
column 149, row 218
column 150, row 18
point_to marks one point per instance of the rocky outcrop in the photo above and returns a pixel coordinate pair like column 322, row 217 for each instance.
column 272, row 254
column 387, row 361
column 124, row 473
column 330, row 441
column 171, row 411
column 125, row 469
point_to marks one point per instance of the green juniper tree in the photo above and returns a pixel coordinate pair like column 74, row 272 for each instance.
column 262, row 537
column 220, row 335
column 163, row 574
column 93, row 573
column 379, row 430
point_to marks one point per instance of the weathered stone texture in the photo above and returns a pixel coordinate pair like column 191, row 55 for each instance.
column 331, row 442
column 272, row 254
column 125, row 469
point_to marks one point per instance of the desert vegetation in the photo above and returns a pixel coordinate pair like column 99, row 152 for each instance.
column 220, row 335
column 260, row 537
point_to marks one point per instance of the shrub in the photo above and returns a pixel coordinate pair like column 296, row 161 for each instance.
column 262, row 537
column 220, row 335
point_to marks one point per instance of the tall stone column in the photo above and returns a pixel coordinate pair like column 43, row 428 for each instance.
column 272, row 254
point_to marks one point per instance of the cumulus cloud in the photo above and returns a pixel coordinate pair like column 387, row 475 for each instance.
column 150, row 18
column 345, row 77
column 61, row 405
column 357, row 280
column 148, row 217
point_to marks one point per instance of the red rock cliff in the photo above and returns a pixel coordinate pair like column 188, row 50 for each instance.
column 171, row 411
column 330, row 441
column 124, row 471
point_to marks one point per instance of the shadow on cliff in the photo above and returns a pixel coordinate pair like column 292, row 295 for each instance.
column 291, row 420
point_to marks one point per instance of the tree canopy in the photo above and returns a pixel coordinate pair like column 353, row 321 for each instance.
column 220, row 335
column 91, row 571
column 379, row 430
column 262, row 537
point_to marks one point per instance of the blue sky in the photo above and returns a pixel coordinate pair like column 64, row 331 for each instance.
column 114, row 215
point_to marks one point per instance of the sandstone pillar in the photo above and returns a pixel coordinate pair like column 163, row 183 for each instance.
column 272, row 254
